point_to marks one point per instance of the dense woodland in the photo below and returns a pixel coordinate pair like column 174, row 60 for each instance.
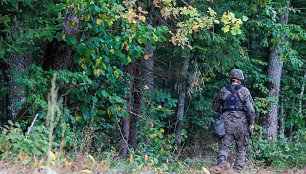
column 137, row 78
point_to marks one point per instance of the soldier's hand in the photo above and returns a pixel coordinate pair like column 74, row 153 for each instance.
column 252, row 127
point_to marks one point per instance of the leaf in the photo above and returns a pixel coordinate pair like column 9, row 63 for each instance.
column 146, row 57
column 129, row 59
column 63, row 36
column 52, row 155
column 86, row 171
column 226, row 28
column 116, row 74
column 245, row 18
column 98, row 21
column 92, row 159
column 206, row 171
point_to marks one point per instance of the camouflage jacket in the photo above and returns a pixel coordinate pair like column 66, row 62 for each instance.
column 244, row 96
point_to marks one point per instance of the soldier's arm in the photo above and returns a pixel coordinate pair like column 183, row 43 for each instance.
column 216, row 104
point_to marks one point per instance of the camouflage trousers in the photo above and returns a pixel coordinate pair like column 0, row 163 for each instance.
column 236, row 130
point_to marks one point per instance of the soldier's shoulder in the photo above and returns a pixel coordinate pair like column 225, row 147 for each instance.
column 244, row 90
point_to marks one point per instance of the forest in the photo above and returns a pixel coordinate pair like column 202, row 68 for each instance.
column 126, row 86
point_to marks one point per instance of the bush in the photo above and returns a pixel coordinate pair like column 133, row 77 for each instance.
column 14, row 141
column 284, row 152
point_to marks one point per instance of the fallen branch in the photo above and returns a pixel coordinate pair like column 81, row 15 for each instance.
column 29, row 129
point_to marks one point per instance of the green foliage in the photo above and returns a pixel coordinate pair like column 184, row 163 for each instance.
column 114, row 35
column 26, row 23
column 282, row 153
column 14, row 141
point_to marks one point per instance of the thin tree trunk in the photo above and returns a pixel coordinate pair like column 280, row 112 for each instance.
column 292, row 113
column 181, row 104
column 301, row 96
column 281, row 121
column 123, row 149
column 137, row 95
column 274, row 72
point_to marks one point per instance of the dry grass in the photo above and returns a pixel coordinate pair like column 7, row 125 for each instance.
column 88, row 164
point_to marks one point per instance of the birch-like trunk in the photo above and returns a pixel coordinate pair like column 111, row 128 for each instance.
column 274, row 72
column 281, row 121
column 301, row 96
column 17, row 64
column 181, row 105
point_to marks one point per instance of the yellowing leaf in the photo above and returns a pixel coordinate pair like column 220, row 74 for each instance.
column 217, row 22
column 244, row 18
column 226, row 28
column 148, row 56
column 52, row 156
column 98, row 21
column 142, row 19
column 97, row 72
column 63, row 37
column 87, row 18
column 206, row 171
column 78, row 117
column 104, row 66
column 74, row 21
column 92, row 159
column 98, row 61
column 86, row 171
column 155, row 37
column 129, row 59
column 116, row 74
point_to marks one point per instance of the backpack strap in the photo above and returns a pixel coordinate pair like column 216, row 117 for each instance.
column 234, row 92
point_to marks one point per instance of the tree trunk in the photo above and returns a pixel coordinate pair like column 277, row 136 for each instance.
column 17, row 64
column 292, row 113
column 123, row 149
column 181, row 104
column 145, row 71
column 274, row 72
column 301, row 96
column 58, row 56
column 281, row 121
column 137, row 95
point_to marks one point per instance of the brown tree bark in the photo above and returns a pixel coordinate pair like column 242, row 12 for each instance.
column 124, row 143
column 145, row 72
column 181, row 104
column 274, row 72
column 137, row 95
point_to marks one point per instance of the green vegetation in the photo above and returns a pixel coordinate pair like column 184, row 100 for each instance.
column 127, row 86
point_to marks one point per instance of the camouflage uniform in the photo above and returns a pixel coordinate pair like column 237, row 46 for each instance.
column 235, row 122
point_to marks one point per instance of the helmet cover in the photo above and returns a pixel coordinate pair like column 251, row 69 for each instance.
column 236, row 74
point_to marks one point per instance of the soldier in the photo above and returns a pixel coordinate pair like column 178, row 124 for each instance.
column 234, row 105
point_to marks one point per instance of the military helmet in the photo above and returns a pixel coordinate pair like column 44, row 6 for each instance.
column 236, row 74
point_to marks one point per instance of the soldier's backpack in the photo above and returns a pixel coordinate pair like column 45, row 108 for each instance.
column 233, row 102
